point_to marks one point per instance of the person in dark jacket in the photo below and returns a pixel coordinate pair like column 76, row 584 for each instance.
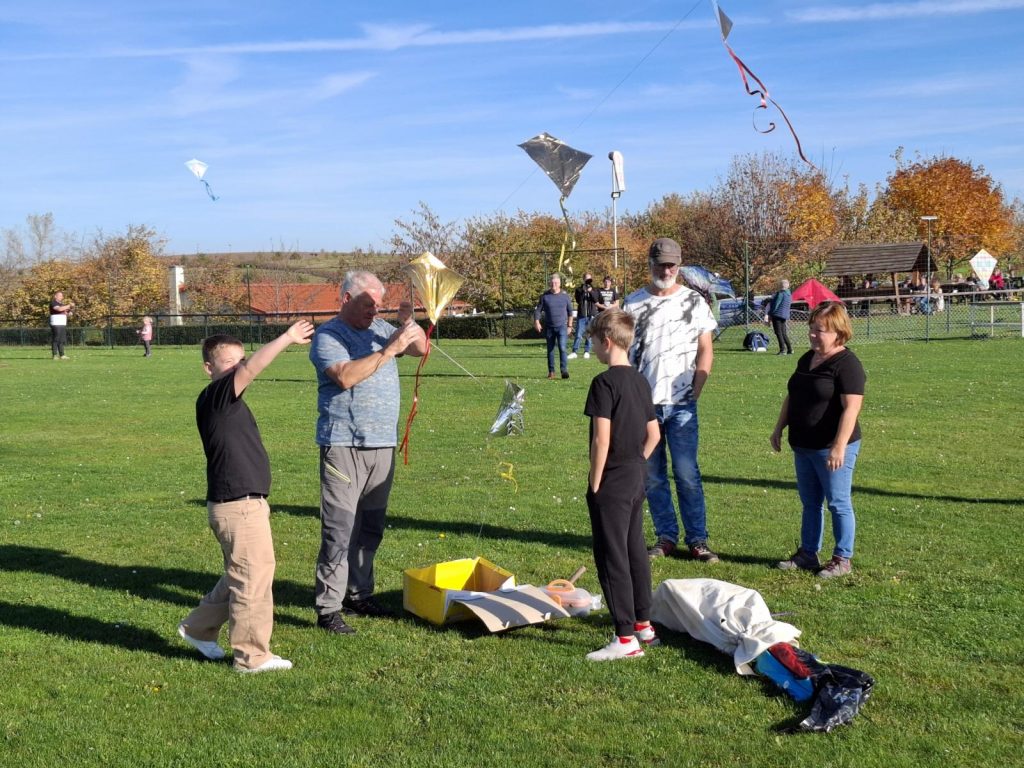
column 778, row 315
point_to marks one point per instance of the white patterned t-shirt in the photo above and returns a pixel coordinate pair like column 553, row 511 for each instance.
column 665, row 341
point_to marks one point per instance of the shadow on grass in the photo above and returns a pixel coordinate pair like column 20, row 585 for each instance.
column 551, row 538
column 148, row 582
column 51, row 621
column 860, row 489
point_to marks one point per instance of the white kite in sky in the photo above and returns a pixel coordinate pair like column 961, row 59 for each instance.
column 198, row 168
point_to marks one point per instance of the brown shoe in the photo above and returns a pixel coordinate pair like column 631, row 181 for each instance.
column 700, row 551
column 662, row 548
column 837, row 566
column 551, row 374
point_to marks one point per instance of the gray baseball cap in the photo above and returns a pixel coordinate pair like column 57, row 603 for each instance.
column 665, row 250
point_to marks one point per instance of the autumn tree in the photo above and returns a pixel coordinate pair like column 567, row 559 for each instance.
column 213, row 287
column 121, row 276
column 971, row 211
column 27, row 301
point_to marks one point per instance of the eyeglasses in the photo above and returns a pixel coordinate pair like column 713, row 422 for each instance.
column 669, row 267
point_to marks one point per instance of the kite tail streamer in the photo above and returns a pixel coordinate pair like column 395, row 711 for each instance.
column 404, row 447
column 763, row 95
column 209, row 191
column 568, row 239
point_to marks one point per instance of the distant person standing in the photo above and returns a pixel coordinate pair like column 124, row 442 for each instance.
column 607, row 297
column 586, row 305
column 554, row 314
column 778, row 313
column 673, row 350
column 146, row 335
column 59, row 311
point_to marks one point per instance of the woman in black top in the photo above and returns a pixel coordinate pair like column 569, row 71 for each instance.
column 825, row 396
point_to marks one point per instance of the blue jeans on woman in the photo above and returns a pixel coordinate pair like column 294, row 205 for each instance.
column 817, row 485
column 679, row 435
column 557, row 336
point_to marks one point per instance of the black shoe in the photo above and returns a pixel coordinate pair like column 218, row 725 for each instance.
column 332, row 622
column 366, row 607
column 565, row 374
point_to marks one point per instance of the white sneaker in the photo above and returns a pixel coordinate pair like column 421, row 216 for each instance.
column 586, row 355
column 273, row 664
column 617, row 649
column 646, row 637
column 208, row 648
column 572, row 356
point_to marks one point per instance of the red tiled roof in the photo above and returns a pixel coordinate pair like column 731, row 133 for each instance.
column 321, row 298
column 294, row 297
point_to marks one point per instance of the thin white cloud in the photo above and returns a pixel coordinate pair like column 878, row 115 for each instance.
column 929, row 87
column 384, row 38
column 888, row 11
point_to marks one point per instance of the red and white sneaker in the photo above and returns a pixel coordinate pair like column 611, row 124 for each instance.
column 618, row 648
column 646, row 637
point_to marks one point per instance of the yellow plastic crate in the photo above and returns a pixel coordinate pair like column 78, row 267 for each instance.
column 425, row 590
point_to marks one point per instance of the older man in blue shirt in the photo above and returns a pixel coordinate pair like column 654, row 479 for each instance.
column 357, row 431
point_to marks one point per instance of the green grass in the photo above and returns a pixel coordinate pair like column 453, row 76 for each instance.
column 104, row 547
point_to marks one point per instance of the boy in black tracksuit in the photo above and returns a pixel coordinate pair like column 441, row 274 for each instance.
column 623, row 433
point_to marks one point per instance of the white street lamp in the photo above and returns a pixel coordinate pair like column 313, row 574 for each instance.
column 618, row 187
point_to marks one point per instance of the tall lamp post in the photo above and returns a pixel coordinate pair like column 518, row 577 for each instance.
column 928, row 280
column 618, row 187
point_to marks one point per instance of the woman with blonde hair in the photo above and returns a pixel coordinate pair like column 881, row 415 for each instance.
column 824, row 398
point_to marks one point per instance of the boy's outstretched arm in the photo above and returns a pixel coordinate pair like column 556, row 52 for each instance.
column 299, row 333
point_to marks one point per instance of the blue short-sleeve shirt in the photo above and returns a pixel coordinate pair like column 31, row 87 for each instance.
column 365, row 415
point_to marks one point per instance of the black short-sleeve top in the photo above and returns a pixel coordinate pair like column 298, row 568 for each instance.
column 815, row 398
column 236, row 461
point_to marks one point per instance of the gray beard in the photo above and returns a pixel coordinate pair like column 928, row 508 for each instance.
column 664, row 284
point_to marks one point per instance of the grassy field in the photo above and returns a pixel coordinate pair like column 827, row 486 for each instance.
column 104, row 547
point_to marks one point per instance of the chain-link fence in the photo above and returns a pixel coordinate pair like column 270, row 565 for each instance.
column 906, row 318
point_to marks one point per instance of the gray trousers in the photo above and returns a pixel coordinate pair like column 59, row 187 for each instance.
column 354, row 487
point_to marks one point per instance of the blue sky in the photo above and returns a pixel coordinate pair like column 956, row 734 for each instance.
column 324, row 121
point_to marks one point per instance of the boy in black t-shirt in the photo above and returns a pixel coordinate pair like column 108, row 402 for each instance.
column 623, row 433
column 237, row 486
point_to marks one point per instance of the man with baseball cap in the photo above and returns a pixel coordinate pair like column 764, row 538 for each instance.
column 672, row 348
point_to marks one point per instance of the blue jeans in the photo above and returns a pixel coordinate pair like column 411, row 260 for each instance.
column 817, row 485
column 557, row 336
column 581, row 334
column 679, row 435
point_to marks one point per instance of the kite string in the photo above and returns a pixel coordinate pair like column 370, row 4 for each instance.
column 460, row 365
column 610, row 93
column 404, row 447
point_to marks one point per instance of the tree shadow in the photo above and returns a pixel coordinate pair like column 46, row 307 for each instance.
column 144, row 581
column 861, row 489
column 68, row 626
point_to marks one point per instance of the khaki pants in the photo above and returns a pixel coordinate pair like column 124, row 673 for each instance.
column 243, row 597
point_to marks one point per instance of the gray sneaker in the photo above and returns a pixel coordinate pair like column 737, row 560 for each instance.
column 837, row 566
column 800, row 560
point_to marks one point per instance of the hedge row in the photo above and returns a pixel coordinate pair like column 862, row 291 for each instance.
column 517, row 326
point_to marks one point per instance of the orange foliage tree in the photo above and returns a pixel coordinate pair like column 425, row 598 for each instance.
column 972, row 213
